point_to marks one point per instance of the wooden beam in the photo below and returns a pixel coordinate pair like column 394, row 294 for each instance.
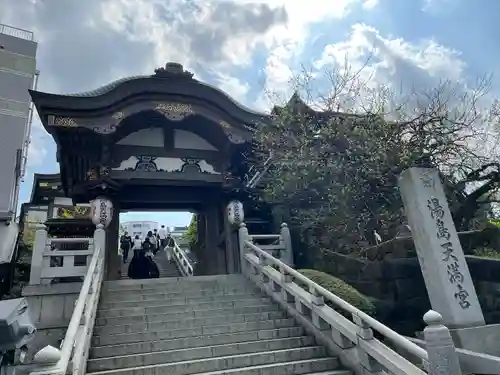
column 168, row 138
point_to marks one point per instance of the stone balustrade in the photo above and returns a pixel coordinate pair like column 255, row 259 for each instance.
column 59, row 257
column 183, row 263
column 325, row 315
column 278, row 245
column 73, row 354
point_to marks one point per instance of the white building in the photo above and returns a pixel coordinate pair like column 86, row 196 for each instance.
column 18, row 74
column 178, row 233
column 138, row 228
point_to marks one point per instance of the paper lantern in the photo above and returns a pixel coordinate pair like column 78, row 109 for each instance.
column 101, row 211
column 235, row 212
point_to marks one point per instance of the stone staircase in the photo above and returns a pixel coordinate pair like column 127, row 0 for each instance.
column 166, row 268
column 199, row 325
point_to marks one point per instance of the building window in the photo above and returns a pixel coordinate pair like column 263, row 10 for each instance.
column 136, row 225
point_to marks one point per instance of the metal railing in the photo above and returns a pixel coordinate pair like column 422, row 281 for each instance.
column 16, row 32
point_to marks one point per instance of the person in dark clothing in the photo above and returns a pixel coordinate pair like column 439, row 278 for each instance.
column 142, row 266
column 125, row 245
column 154, row 271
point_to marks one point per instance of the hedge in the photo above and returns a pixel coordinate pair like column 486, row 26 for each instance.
column 340, row 289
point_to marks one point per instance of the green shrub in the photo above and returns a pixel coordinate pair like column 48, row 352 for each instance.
column 486, row 252
column 340, row 289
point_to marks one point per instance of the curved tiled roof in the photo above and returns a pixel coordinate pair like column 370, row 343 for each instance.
column 110, row 86
column 106, row 88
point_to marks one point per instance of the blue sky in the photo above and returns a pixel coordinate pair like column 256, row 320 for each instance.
column 249, row 48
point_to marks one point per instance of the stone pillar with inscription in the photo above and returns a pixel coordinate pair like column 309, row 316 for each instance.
column 442, row 260
column 446, row 274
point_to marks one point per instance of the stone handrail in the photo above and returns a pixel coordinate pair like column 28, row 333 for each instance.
column 351, row 340
column 182, row 260
column 55, row 257
column 280, row 246
column 76, row 344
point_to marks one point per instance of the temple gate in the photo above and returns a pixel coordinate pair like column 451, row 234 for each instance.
column 160, row 142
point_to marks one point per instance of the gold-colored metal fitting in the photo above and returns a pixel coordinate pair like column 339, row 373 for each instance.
column 65, row 122
column 175, row 111
column 118, row 116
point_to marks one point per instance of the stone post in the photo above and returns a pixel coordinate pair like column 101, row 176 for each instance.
column 231, row 266
column 446, row 274
column 286, row 240
column 103, row 213
column 443, row 358
column 39, row 246
column 100, row 238
column 242, row 237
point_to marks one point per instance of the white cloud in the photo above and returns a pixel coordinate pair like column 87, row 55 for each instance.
column 286, row 42
column 370, row 4
column 395, row 61
column 234, row 87
column 37, row 149
column 84, row 44
column 436, row 6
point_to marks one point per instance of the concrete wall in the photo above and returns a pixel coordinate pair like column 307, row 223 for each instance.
column 51, row 308
column 399, row 288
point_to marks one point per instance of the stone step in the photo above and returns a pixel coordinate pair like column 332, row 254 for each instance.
column 193, row 342
column 176, row 285
column 153, row 294
column 200, row 282
column 166, row 308
column 242, row 362
column 166, row 270
column 306, row 367
column 106, row 305
column 161, row 325
column 155, row 358
column 190, row 314
column 189, row 332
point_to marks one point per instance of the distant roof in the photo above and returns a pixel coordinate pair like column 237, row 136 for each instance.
column 179, row 229
column 39, row 178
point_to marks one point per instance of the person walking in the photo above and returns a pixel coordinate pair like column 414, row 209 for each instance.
column 150, row 243
column 137, row 244
column 169, row 246
column 155, row 234
column 162, row 235
column 125, row 245
column 142, row 266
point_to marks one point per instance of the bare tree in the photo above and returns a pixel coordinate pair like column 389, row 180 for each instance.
column 341, row 142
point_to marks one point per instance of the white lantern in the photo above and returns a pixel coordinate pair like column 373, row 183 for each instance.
column 101, row 211
column 235, row 212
